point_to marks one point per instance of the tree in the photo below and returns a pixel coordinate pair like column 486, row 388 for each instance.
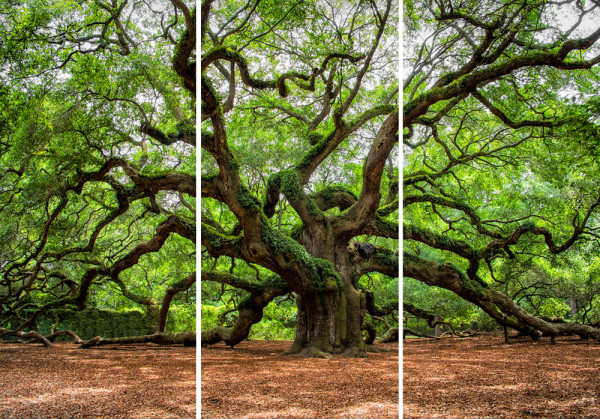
column 97, row 164
column 500, row 132
column 300, row 123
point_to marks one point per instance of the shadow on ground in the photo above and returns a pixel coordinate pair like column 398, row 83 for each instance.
column 483, row 377
column 140, row 381
column 252, row 381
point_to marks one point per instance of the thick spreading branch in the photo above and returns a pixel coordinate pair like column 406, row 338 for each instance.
column 469, row 82
column 250, row 310
column 363, row 211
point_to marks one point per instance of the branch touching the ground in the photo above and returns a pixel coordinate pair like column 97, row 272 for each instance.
column 182, row 338
column 391, row 335
column 498, row 305
column 250, row 310
column 37, row 337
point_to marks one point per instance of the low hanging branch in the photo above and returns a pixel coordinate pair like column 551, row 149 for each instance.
column 250, row 310
column 406, row 331
column 311, row 260
column 37, row 337
column 182, row 338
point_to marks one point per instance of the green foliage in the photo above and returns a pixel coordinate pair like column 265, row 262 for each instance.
column 97, row 322
column 298, row 63
column 82, row 189
column 502, row 158
column 182, row 318
column 248, row 201
column 450, row 307
column 209, row 316
column 279, row 322
column 553, row 307
column 290, row 186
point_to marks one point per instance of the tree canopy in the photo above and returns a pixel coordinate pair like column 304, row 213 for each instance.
column 500, row 133
column 299, row 181
column 97, row 157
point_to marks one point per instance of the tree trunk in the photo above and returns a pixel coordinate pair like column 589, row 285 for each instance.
column 330, row 323
column 330, row 316
column 437, row 332
column 573, row 306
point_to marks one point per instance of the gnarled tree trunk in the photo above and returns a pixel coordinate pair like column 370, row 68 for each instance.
column 330, row 310
column 329, row 323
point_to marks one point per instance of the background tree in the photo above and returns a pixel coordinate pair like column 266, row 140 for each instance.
column 500, row 132
column 97, row 164
column 300, row 126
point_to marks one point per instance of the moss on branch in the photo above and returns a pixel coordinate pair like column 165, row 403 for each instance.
column 320, row 271
column 247, row 200
column 218, row 243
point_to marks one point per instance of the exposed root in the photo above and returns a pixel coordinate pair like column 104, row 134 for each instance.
column 374, row 350
column 294, row 350
column 314, row 352
column 354, row 351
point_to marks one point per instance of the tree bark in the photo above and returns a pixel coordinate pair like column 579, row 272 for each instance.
column 391, row 335
column 497, row 304
column 183, row 338
column 250, row 310
column 330, row 314
column 180, row 286
column 371, row 332
column 37, row 337
column 437, row 332
column 329, row 323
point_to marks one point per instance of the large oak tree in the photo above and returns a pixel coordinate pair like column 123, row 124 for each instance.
column 299, row 132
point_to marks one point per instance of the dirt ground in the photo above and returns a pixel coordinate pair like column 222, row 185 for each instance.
column 140, row 381
column 484, row 378
column 251, row 381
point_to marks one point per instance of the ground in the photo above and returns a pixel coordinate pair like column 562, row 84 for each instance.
column 253, row 381
column 139, row 381
column 484, row 378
